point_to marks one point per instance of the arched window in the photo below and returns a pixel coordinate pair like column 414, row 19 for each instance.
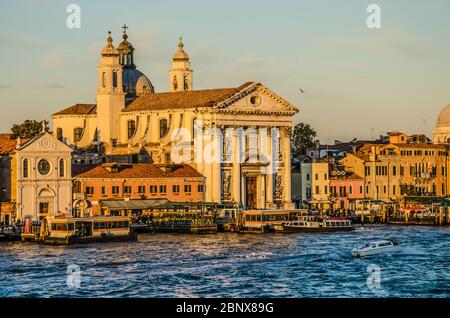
column 25, row 168
column 77, row 134
column 163, row 128
column 61, row 168
column 175, row 83
column 104, row 79
column 59, row 134
column 186, row 82
column 131, row 128
column 115, row 79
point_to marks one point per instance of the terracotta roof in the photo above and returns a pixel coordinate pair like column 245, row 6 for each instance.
column 186, row 99
column 79, row 109
column 7, row 144
column 139, row 170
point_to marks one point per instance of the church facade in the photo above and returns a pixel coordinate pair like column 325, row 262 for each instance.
column 238, row 138
column 41, row 178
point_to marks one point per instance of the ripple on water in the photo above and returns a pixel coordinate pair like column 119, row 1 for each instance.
column 231, row 265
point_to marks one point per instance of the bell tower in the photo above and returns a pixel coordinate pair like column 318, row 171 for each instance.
column 180, row 75
column 110, row 95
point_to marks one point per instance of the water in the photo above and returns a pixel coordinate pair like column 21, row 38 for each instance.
column 233, row 265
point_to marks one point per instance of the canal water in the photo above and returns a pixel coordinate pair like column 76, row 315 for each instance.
column 233, row 265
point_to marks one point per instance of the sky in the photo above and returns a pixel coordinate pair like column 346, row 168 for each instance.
column 358, row 82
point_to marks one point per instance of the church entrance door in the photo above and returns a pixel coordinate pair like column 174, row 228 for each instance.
column 250, row 193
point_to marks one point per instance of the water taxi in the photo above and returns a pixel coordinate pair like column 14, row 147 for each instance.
column 69, row 230
column 376, row 247
column 317, row 224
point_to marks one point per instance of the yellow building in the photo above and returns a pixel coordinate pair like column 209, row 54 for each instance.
column 400, row 168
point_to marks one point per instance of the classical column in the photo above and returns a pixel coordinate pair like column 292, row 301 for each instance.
column 215, row 165
column 270, row 152
column 286, row 149
column 236, row 166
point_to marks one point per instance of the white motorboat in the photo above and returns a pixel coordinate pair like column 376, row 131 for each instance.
column 376, row 247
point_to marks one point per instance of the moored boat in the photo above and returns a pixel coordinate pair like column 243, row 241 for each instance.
column 317, row 224
column 69, row 230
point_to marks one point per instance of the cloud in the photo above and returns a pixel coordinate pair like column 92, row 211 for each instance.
column 48, row 86
column 55, row 59
column 17, row 41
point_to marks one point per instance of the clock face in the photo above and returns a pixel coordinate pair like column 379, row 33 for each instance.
column 43, row 167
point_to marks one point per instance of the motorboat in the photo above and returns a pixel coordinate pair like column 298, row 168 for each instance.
column 376, row 247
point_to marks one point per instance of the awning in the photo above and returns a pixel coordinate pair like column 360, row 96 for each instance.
column 132, row 204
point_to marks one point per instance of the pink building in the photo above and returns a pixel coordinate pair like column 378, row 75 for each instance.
column 345, row 189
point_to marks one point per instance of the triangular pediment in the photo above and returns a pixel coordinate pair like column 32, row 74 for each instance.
column 44, row 142
column 256, row 98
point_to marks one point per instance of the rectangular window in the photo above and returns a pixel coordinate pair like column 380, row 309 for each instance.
column 115, row 190
column 153, row 189
column 200, row 188
column 176, row 188
column 325, row 176
column 187, row 188
column 402, row 170
column 103, row 190
column 127, row 189
column 367, row 171
column 317, row 190
column 394, row 170
column 384, row 189
column 162, row 189
column 326, row 190
column 317, row 176
column 307, row 176
column 141, row 189
column 350, row 189
column 360, row 189
column 89, row 190
column 393, row 190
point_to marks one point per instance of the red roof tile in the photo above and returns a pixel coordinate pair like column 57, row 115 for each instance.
column 7, row 144
column 79, row 109
column 186, row 99
column 139, row 170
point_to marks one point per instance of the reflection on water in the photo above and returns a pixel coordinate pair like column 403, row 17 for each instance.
column 233, row 265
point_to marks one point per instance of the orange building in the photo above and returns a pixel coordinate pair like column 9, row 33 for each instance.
column 142, row 181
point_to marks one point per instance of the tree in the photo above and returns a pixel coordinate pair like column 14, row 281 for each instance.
column 28, row 129
column 301, row 139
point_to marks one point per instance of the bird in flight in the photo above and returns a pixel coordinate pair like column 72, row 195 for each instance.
column 302, row 91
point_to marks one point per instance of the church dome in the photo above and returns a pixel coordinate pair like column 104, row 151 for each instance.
column 443, row 119
column 135, row 83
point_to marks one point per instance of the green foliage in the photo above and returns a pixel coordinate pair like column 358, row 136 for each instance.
column 301, row 139
column 28, row 129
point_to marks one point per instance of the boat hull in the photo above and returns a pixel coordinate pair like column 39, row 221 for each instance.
column 85, row 240
column 296, row 229
column 363, row 253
